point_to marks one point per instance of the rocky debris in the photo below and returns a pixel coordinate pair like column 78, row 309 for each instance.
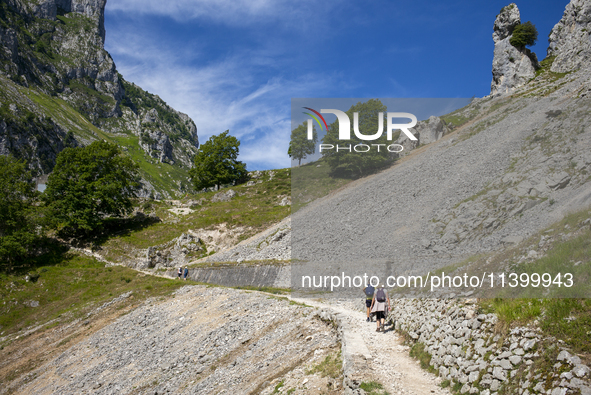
column 286, row 201
column 171, row 254
column 512, row 67
column 223, row 196
column 111, row 302
column 466, row 349
column 272, row 244
column 513, row 170
column 255, row 174
column 547, row 167
column 204, row 340
column 569, row 39
column 180, row 210
column 431, row 130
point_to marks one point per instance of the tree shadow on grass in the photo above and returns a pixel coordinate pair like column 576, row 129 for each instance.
column 115, row 227
column 52, row 251
column 47, row 252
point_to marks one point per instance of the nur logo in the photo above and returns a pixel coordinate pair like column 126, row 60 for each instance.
column 345, row 124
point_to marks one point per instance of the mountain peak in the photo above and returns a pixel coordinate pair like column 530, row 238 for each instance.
column 512, row 67
column 506, row 21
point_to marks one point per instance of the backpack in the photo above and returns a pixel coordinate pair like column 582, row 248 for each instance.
column 369, row 290
column 381, row 295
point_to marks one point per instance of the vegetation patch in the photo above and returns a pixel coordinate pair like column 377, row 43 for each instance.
column 418, row 352
column 373, row 388
column 331, row 366
column 70, row 289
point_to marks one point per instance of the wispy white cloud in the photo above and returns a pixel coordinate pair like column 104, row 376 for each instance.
column 224, row 94
column 230, row 12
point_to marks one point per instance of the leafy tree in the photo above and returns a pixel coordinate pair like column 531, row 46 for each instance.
column 356, row 164
column 88, row 184
column 17, row 218
column 216, row 162
column 523, row 35
column 300, row 146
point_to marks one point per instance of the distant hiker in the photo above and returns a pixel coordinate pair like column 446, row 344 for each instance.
column 186, row 273
column 369, row 291
column 380, row 304
column 179, row 272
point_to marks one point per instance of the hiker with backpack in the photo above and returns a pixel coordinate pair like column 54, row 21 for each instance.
column 180, row 272
column 186, row 273
column 369, row 291
column 380, row 305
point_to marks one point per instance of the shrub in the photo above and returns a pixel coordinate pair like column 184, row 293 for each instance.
column 524, row 34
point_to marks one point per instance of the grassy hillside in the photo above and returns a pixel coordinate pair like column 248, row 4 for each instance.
column 60, row 293
column 254, row 209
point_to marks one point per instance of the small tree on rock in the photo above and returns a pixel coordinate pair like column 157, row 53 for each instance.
column 524, row 35
column 217, row 162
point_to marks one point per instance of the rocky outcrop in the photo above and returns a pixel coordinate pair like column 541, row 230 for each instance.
column 93, row 9
column 272, row 244
column 171, row 254
column 426, row 132
column 570, row 40
column 512, row 67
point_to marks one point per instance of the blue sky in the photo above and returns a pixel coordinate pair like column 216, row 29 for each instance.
column 236, row 64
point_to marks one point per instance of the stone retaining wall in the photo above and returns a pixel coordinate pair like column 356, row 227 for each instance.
column 240, row 275
column 466, row 350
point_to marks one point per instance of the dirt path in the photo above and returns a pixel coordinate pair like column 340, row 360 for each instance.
column 389, row 362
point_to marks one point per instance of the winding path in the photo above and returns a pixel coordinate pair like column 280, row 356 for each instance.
column 380, row 357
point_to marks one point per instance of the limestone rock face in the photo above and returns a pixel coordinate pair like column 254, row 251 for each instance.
column 512, row 67
column 570, row 39
column 93, row 9
column 506, row 22
column 56, row 47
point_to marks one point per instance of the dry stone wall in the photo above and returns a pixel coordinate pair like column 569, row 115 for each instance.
column 468, row 351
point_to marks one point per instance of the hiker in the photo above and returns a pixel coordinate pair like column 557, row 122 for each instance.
column 186, row 273
column 179, row 272
column 380, row 304
column 369, row 291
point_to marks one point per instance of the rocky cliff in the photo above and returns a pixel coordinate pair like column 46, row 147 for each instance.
column 512, row 67
column 569, row 40
column 58, row 78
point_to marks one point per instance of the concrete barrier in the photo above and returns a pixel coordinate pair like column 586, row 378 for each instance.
column 240, row 275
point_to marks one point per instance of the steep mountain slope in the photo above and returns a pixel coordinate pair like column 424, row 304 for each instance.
column 514, row 165
column 61, row 88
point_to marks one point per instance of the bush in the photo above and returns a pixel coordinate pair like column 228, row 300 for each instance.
column 524, row 34
column 17, row 214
